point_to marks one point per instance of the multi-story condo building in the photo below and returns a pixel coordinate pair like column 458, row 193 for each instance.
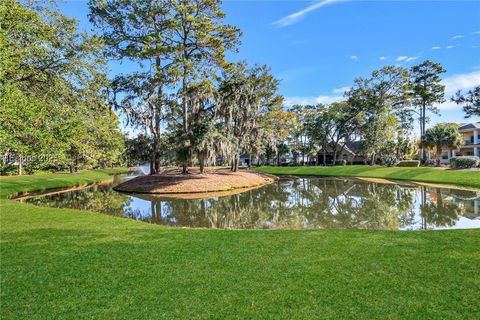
column 471, row 136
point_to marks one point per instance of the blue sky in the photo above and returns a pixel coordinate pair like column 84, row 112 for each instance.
column 317, row 48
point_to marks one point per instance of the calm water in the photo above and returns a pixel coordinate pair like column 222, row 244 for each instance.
column 293, row 203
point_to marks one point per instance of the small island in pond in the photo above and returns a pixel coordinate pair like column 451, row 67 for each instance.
column 215, row 180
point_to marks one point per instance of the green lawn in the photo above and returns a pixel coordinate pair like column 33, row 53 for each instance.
column 67, row 264
column 13, row 184
column 421, row 174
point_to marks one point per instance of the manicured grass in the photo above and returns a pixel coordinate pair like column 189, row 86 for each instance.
column 68, row 264
column 14, row 184
column 421, row 174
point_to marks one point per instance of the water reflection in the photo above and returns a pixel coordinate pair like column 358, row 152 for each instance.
column 291, row 204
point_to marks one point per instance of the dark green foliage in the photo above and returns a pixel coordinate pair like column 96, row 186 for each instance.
column 442, row 136
column 138, row 149
column 389, row 160
column 52, row 105
column 470, row 101
column 426, row 91
column 465, row 162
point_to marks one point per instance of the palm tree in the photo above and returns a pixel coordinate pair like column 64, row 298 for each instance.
column 442, row 135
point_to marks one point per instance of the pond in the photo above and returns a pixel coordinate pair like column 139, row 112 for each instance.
column 289, row 203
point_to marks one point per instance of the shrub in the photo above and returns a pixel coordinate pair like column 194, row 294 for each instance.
column 409, row 163
column 465, row 162
column 341, row 162
column 8, row 169
column 388, row 160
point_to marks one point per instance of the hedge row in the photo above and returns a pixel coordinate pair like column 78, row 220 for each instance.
column 465, row 162
column 409, row 163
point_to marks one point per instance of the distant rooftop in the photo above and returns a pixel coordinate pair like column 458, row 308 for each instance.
column 473, row 125
column 354, row 146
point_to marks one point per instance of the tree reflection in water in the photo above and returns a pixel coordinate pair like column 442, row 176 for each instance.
column 296, row 203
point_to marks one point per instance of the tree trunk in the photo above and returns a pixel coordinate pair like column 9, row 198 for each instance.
column 185, row 117
column 325, row 155
column 157, row 120
column 438, row 156
column 20, row 164
column 372, row 160
column 235, row 163
column 278, row 158
column 155, row 163
column 303, row 157
column 201, row 160
column 422, row 131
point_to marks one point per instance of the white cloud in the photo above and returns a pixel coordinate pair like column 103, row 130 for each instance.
column 435, row 48
column 340, row 90
column 476, row 32
column 353, row 57
column 406, row 58
column 296, row 16
column 383, row 58
column 450, row 47
column 290, row 101
column 456, row 37
column 453, row 83
column 337, row 95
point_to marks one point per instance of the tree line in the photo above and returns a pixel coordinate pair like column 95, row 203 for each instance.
column 54, row 113
column 192, row 105
column 380, row 111
column 197, row 107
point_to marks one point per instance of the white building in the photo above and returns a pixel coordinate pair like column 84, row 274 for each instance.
column 471, row 136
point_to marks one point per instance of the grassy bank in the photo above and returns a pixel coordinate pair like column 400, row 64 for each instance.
column 64, row 264
column 432, row 175
column 14, row 184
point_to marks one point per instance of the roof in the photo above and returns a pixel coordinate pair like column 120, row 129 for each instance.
column 354, row 146
column 468, row 126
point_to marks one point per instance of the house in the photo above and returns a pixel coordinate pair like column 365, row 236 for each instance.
column 348, row 152
column 471, row 136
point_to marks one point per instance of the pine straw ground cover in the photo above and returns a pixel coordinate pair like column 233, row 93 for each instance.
column 174, row 182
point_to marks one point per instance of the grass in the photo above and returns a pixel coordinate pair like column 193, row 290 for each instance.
column 64, row 264
column 10, row 185
column 420, row 174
